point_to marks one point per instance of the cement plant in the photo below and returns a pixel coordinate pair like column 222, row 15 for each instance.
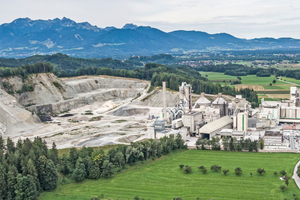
column 101, row 110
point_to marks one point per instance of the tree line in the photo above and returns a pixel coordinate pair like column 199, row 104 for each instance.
column 28, row 168
column 25, row 70
column 237, row 70
column 229, row 144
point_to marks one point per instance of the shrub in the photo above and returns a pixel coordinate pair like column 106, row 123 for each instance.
column 238, row 171
column 215, row 168
column 181, row 166
column 225, row 171
column 187, row 169
column 58, row 85
column 282, row 187
column 282, row 172
column 260, row 171
column 275, row 173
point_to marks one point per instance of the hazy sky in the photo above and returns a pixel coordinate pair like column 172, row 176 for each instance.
column 241, row 18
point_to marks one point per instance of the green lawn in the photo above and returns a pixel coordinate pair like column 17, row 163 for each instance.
column 163, row 179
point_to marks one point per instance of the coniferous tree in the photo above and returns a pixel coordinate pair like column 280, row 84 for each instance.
column 3, row 187
column 47, row 173
column 79, row 173
column 11, row 182
column 10, row 145
column 31, row 170
column 73, row 157
column 25, row 188
column 64, row 166
column 94, row 171
column 53, row 153
column 1, row 143
column 19, row 144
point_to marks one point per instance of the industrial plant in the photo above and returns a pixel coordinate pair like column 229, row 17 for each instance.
column 276, row 122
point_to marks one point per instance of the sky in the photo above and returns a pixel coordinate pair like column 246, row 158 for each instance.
column 241, row 18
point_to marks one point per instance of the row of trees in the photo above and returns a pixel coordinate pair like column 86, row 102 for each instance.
column 217, row 168
column 25, row 70
column 229, row 144
column 238, row 70
column 28, row 168
column 87, row 163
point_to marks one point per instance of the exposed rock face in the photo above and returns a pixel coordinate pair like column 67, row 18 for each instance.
column 14, row 119
column 156, row 99
column 53, row 95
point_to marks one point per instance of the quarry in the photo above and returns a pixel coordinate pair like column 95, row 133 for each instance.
column 89, row 111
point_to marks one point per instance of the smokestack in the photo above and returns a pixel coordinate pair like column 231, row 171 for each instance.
column 164, row 100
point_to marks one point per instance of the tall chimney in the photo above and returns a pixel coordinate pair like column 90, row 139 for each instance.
column 164, row 100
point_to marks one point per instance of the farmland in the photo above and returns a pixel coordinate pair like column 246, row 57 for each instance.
column 278, row 90
column 162, row 179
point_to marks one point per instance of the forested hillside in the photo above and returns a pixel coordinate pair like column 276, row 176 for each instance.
column 66, row 64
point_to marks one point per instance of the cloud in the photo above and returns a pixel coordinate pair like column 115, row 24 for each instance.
column 241, row 18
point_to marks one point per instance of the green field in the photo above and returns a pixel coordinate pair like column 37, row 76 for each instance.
column 292, row 80
column 163, row 179
column 249, row 80
column 217, row 76
column 254, row 80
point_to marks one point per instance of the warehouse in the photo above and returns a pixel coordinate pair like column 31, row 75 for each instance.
column 213, row 128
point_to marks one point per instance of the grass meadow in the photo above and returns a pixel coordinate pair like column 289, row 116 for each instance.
column 162, row 179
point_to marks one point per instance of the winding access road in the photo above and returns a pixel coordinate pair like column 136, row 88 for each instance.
column 295, row 176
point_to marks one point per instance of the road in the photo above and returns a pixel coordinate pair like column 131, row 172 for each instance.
column 292, row 142
column 295, row 175
column 288, row 82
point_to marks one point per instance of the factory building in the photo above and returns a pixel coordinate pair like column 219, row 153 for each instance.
column 213, row 129
column 240, row 122
column 222, row 104
column 202, row 101
column 192, row 120
column 240, row 103
column 273, row 137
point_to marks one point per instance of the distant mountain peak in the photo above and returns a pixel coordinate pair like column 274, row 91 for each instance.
column 129, row 26
column 22, row 20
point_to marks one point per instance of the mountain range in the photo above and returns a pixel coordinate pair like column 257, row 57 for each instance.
column 25, row 37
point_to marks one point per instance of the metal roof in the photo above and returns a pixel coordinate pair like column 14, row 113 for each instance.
column 219, row 100
column 215, row 125
column 202, row 100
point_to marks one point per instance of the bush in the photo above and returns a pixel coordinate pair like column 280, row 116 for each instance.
column 215, row 168
column 260, row 171
column 58, row 85
column 282, row 188
column 282, row 172
column 187, row 169
column 275, row 173
column 203, row 169
column 181, row 166
column 238, row 171
column 225, row 171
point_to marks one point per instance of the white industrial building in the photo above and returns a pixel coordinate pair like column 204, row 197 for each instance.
column 213, row 129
